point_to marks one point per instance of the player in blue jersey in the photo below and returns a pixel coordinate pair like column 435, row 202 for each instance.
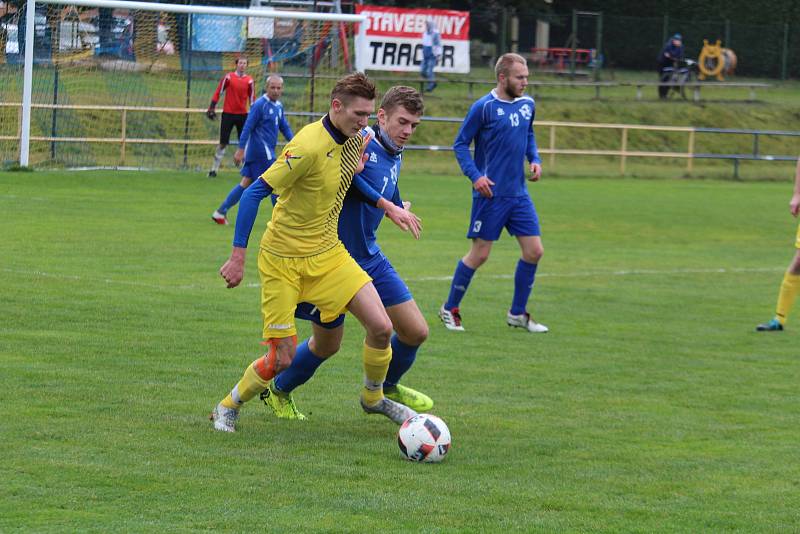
column 257, row 142
column 501, row 126
column 374, row 195
column 291, row 229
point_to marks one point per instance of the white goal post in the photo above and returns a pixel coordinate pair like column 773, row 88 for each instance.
column 258, row 12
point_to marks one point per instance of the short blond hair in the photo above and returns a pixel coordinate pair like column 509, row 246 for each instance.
column 504, row 63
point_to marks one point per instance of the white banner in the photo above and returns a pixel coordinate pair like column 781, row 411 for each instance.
column 391, row 39
column 260, row 27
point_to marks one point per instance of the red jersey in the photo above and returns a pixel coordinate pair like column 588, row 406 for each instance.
column 239, row 93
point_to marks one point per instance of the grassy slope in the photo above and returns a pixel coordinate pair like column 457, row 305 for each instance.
column 650, row 406
column 777, row 109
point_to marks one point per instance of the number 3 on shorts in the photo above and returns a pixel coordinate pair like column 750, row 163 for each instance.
column 476, row 227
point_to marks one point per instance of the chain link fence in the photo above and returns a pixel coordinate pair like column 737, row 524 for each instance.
column 626, row 42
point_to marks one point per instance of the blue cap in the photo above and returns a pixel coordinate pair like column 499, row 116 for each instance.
column 678, row 36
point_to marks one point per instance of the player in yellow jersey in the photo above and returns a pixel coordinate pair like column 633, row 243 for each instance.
column 301, row 258
column 791, row 279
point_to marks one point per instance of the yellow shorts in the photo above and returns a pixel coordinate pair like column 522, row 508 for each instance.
column 328, row 280
column 797, row 239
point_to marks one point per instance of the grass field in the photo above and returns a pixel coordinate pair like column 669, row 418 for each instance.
column 650, row 406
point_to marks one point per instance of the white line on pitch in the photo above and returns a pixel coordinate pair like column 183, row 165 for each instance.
column 109, row 281
column 629, row 272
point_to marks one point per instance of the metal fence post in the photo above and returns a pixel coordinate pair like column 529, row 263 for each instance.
column 188, row 101
column 553, row 146
column 574, row 43
column 54, row 116
column 502, row 31
column 123, row 135
column 785, row 53
column 514, row 33
column 727, row 33
column 599, row 49
column 690, row 151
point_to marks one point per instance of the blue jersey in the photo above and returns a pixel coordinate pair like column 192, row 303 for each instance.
column 260, row 134
column 503, row 134
column 359, row 220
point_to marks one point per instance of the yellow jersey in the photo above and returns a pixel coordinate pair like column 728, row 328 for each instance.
column 311, row 178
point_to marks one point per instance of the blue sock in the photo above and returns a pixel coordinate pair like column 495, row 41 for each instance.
column 403, row 357
column 523, row 285
column 233, row 198
column 303, row 367
column 458, row 287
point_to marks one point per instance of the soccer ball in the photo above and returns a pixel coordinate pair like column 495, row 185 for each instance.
column 424, row 438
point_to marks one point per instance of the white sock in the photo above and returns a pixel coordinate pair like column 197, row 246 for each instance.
column 218, row 155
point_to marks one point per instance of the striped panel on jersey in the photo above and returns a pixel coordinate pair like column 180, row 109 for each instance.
column 351, row 150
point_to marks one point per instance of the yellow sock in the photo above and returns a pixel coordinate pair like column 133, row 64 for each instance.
column 789, row 288
column 248, row 387
column 376, row 364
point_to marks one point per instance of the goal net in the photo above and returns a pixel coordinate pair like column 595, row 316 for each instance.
column 121, row 86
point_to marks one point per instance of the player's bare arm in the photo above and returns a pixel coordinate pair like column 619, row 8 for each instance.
column 483, row 185
column 238, row 156
column 794, row 204
column 364, row 156
column 406, row 220
column 233, row 269
column 536, row 172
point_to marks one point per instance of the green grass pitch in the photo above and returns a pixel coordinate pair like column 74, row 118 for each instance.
column 651, row 405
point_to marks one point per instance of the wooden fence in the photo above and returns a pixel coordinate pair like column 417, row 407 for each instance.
column 551, row 150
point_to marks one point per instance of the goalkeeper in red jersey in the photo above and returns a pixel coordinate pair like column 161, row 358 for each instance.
column 239, row 90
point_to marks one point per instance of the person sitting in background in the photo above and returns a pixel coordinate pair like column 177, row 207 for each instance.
column 671, row 53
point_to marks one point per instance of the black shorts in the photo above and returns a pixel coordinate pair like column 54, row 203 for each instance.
column 229, row 120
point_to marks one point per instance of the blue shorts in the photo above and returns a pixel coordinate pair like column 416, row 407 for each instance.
column 387, row 282
column 308, row 312
column 490, row 215
column 253, row 168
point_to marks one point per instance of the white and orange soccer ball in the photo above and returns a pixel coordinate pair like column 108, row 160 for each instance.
column 424, row 438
